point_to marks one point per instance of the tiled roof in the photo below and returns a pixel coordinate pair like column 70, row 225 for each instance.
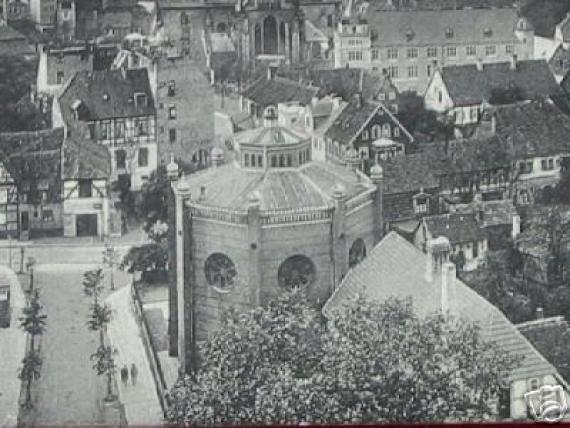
column 532, row 129
column 106, row 95
column 350, row 122
column 403, row 174
column 552, row 337
column 420, row 28
column 310, row 185
column 34, row 157
column 263, row 136
column 467, row 85
column 395, row 268
column 457, row 227
column 266, row 92
column 84, row 158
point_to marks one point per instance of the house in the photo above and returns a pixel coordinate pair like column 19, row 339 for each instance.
column 536, row 135
column 17, row 10
column 412, row 44
column 347, row 82
column 59, row 63
column 468, row 240
column 395, row 268
column 118, row 108
column 30, row 188
column 552, row 336
column 462, row 91
column 499, row 219
column 352, row 44
column 270, row 90
column 88, row 206
column 559, row 62
column 562, row 32
column 369, row 128
column 411, row 191
column 43, row 14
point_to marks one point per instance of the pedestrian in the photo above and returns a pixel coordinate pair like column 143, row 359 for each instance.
column 134, row 373
column 125, row 375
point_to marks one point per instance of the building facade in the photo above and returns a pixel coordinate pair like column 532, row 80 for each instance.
column 263, row 233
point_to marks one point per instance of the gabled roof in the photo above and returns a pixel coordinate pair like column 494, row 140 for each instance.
column 533, row 129
column 467, row 85
column 560, row 60
column 457, row 227
column 107, row 94
column 351, row 121
column 265, row 92
column 420, row 28
column 564, row 27
column 495, row 213
column 395, row 268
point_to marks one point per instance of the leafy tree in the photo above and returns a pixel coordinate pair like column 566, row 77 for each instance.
column 148, row 257
column 418, row 120
column 32, row 322
column 93, row 283
column 562, row 189
column 375, row 362
column 104, row 365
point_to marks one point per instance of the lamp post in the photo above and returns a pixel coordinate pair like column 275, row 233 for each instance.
column 110, row 259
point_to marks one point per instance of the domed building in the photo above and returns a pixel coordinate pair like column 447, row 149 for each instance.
column 264, row 222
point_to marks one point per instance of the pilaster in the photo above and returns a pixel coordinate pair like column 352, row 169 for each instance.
column 377, row 178
column 340, row 255
column 254, row 241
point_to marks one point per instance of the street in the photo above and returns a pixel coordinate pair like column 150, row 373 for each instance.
column 69, row 391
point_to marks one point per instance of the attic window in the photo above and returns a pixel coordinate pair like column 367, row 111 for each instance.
column 487, row 32
column 106, row 97
column 449, row 32
column 140, row 100
column 410, row 34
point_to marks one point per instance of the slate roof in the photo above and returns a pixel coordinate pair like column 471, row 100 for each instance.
column 403, row 174
column 552, row 337
column 429, row 27
column 395, row 268
column 308, row 186
column 263, row 136
column 13, row 42
column 533, row 129
column 467, row 85
column 495, row 213
column 84, row 158
column 266, row 92
column 351, row 120
column 457, row 227
column 34, row 154
column 107, row 94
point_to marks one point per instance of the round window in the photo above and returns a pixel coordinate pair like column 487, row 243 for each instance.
column 220, row 271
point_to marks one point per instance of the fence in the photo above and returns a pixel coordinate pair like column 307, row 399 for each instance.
column 153, row 358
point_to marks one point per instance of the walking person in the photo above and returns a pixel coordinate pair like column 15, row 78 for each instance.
column 134, row 373
column 125, row 375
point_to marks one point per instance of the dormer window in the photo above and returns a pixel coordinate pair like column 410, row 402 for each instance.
column 487, row 32
column 421, row 203
column 140, row 100
column 171, row 88
column 449, row 32
column 409, row 34
column 106, row 97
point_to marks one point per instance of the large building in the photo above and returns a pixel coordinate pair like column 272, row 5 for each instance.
column 270, row 220
column 411, row 44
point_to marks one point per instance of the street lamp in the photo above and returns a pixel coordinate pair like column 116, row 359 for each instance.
column 110, row 259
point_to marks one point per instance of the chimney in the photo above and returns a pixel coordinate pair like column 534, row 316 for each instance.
column 271, row 72
column 516, row 226
column 513, row 64
column 479, row 64
column 438, row 250
column 539, row 313
column 358, row 100
column 448, row 287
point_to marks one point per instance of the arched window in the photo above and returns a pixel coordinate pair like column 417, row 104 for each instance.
column 386, row 132
column 396, row 132
column 246, row 160
column 300, row 158
column 260, row 161
column 295, row 272
column 253, row 160
column 308, row 156
column 220, row 271
column 376, row 130
column 221, row 27
column 357, row 252
column 336, row 148
column 289, row 160
column 282, row 160
column 365, row 135
column 273, row 161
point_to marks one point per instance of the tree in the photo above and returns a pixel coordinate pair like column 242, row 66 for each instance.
column 147, row 258
column 413, row 114
column 562, row 189
column 374, row 363
column 104, row 365
column 32, row 322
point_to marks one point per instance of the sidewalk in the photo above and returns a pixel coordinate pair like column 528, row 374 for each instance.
column 12, row 351
column 142, row 406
